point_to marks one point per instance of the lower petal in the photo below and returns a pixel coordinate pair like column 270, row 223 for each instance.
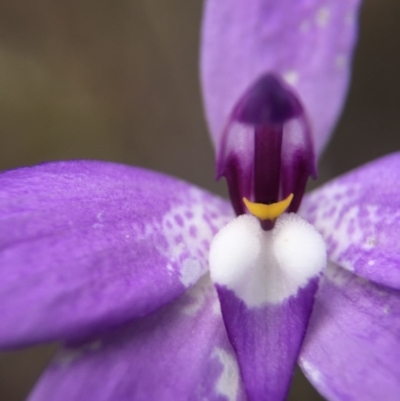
column 178, row 353
column 352, row 348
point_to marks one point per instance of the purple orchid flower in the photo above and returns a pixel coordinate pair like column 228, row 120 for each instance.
column 112, row 260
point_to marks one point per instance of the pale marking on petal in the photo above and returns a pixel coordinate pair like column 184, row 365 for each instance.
column 335, row 276
column 373, row 212
column 291, row 77
column 322, row 17
column 345, row 222
column 190, row 271
column 342, row 230
column 329, row 210
column 186, row 253
column 142, row 233
column 314, row 374
column 228, row 382
column 197, row 296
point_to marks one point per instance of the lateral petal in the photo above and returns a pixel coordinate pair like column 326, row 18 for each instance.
column 358, row 214
column 88, row 245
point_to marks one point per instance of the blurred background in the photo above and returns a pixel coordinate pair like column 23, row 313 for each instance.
column 118, row 80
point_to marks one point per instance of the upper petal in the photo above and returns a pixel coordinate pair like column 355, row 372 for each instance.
column 308, row 43
column 87, row 245
column 352, row 348
column 358, row 214
column 181, row 352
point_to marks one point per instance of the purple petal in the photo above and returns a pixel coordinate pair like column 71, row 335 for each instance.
column 267, row 340
column 308, row 43
column 358, row 215
column 352, row 348
column 178, row 353
column 88, row 245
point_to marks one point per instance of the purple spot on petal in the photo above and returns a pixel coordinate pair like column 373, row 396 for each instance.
column 189, row 214
column 193, row 231
column 184, row 256
column 206, row 244
column 350, row 192
column 207, row 218
column 178, row 220
column 178, row 239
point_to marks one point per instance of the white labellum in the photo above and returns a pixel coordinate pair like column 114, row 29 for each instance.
column 266, row 266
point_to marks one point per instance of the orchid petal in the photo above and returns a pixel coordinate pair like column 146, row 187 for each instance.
column 88, row 245
column 358, row 215
column 352, row 348
column 307, row 43
column 180, row 352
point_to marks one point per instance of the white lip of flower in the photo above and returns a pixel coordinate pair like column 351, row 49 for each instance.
column 266, row 267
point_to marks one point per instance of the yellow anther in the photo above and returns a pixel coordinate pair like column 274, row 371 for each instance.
column 268, row 212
